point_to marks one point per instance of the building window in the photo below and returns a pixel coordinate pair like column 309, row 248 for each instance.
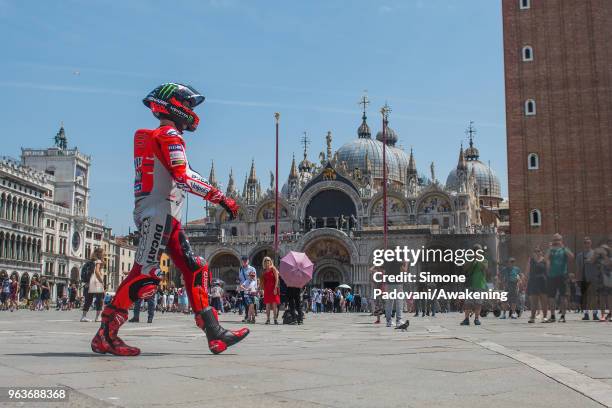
column 530, row 107
column 533, row 161
column 524, row 4
column 527, row 53
column 535, row 218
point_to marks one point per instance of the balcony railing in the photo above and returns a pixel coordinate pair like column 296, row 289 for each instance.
column 57, row 208
column 20, row 264
column 283, row 237
column 55, row 152
column 95, row 221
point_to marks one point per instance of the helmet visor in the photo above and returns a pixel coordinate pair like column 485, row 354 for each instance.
column 193, row 97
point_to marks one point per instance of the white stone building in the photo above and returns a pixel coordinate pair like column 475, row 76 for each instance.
column 70, row 234
column 23, row 192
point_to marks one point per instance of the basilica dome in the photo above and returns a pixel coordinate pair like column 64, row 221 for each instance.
column 354, row 153
column 488, row 182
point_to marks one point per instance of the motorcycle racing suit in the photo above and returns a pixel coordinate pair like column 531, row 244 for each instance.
column 162, row 177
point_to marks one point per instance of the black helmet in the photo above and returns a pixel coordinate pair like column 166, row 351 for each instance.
column 168, row 101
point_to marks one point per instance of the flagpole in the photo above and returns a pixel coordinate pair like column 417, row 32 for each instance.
column 385, row 116
column 276, row 118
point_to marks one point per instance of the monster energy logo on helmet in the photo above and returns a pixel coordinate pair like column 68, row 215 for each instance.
column 166, row 90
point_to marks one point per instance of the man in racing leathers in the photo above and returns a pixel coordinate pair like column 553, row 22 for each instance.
column 162, row 177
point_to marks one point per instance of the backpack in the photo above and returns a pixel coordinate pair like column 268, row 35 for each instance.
column 86, row 271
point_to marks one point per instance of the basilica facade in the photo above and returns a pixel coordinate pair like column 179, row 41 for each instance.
column 332, row 209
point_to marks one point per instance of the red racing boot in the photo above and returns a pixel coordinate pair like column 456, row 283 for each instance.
column 219, row 339
column 106, row 339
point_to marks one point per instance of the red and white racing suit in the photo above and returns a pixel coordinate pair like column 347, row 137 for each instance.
column 163, row 176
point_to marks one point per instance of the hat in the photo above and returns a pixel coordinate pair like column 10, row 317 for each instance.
column 244, row 258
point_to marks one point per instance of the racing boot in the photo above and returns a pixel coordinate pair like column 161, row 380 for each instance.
column 106, row 339
column 219, row 339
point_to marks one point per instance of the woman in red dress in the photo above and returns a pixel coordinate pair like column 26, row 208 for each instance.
column 270, row 280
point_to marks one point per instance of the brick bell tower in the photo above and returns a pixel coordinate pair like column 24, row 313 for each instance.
column 558, row 76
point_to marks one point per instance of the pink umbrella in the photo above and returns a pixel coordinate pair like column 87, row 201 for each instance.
column 296, row 269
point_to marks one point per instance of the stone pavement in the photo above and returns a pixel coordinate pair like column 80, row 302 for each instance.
column 334, row 360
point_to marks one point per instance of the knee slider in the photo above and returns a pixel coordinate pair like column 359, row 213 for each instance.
column 143, row 289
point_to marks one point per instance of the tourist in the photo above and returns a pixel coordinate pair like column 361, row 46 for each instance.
column 337, row 299
column 397, row 305
column 151, row 302
column 45, row 293
column 318, row 299
column 294, row 302
column 243, row 275
column 95, row 286
column 511, row 275
column 64, row 301
column 357, row 301
column 35, row 301
column 249, row 287
column 72, row 294
column 170, row 305
column 557, row 261
column 588, row 277
column 602, row 257
column 348, row 301
column 271, row 289
column 164, row 302
column 476, row 274
column 6, row 292
column 536, row 284
column 13, row 294
column 184, row 301
column 215, row 296
column 377, row 302
column 305, row 301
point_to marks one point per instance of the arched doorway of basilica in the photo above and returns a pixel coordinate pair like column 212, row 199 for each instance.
column 327, row 208
column 331, row 259
column 328, row 277
column 225, row 266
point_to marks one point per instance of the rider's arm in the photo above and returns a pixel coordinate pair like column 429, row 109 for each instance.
column 172, row 152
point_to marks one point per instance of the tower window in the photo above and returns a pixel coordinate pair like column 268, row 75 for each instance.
column 527, row 53
column 530, row 107
column 535, row 218
column 524, row 4
column 533, row 161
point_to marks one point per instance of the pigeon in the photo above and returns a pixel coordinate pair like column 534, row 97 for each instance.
column 403, row 326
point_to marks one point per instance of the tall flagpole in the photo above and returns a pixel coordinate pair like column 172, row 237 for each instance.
column 385, row 119
column 276, row 118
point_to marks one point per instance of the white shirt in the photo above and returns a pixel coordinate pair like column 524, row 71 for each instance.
column 250, row 286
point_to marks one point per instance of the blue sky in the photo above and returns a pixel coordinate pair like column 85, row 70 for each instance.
column 438, row 63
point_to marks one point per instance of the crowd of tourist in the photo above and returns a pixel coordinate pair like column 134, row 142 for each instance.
column 552, row 281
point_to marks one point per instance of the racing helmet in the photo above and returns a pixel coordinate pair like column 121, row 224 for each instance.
column 168, row 101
